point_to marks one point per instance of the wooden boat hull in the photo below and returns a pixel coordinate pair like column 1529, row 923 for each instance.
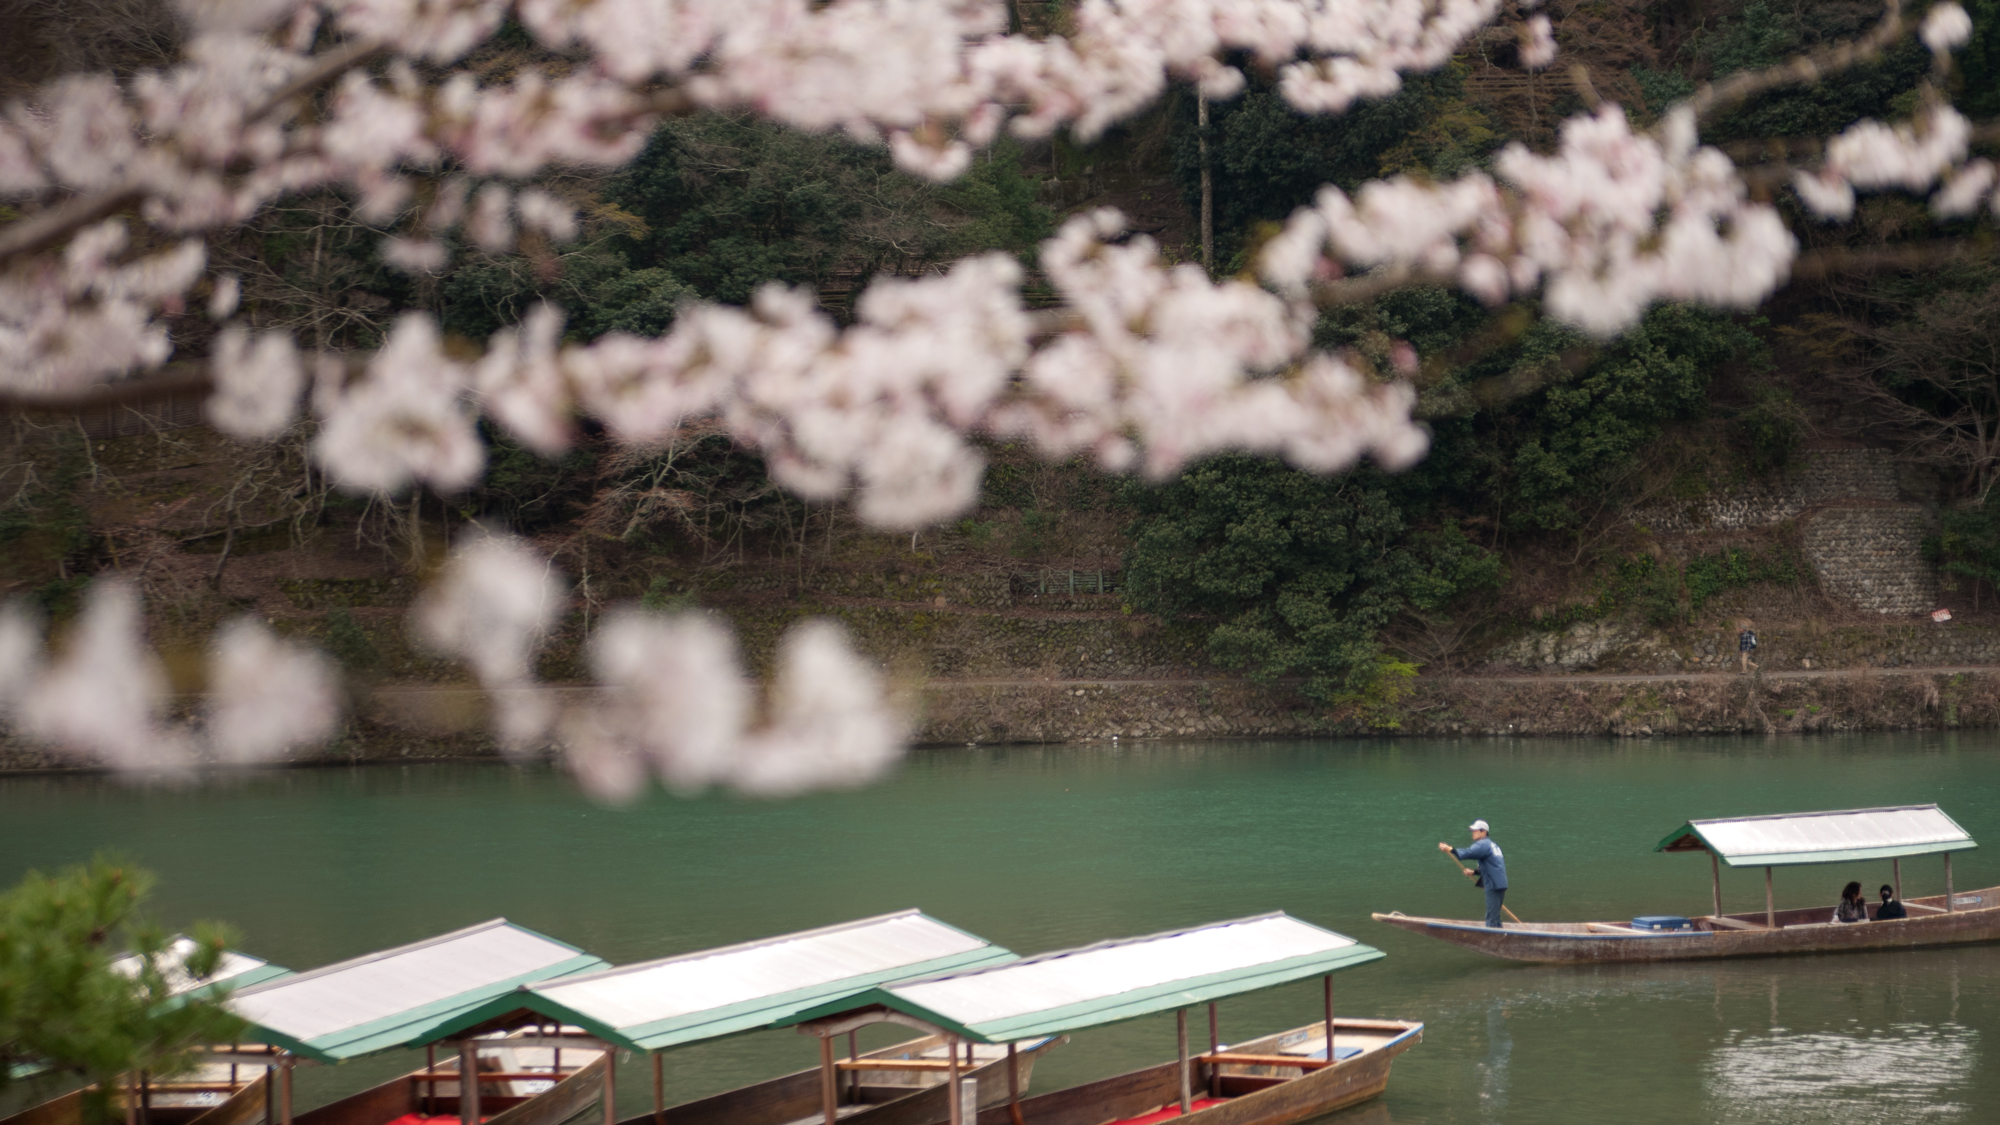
column 246, row 1104
column 1260, row 1096
column 919, row 1097
column 1975, row 917
column 397, row 1097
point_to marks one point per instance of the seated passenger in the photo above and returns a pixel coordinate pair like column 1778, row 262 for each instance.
column 1852, row 908
column 1890, row 908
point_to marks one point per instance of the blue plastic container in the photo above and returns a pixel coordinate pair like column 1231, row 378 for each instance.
column 1661, row 922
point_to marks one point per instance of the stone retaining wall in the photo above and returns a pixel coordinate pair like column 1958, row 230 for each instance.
column 1819, row 478
column 1873, row 557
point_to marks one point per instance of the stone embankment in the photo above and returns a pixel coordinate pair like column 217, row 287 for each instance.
column 1863, row 539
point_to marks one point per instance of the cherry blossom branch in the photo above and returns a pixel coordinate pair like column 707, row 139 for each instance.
column 1712, row 98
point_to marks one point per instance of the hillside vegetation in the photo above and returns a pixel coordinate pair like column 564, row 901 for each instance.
column 1529, row 517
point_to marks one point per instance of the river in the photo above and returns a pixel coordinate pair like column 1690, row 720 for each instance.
column 1045, row 847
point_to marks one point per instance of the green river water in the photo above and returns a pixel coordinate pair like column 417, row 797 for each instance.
column 1040, row 848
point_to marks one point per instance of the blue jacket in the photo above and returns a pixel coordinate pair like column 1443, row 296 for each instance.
column 1488, row 860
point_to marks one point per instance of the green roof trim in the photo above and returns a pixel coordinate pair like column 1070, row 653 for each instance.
column 414, row 1027
column 1100, row 1011
column 245, row 979
column 765, row 1012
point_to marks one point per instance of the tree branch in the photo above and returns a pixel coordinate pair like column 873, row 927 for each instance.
column 1713, row 98
column 44, row 230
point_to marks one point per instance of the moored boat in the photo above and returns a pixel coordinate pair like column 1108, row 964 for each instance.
column 1270, row 1080
column 656, row 1006
column 1784, row 840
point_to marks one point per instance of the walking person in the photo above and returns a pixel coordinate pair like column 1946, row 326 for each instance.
column 1746, row 643
column 1489, row 869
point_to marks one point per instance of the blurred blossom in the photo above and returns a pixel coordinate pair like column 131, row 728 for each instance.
column 491, row 607
column 257, row 384
column 831, row 724
column 1946, row 26
column 101, row 697
column 405, row 420
column 267, row 695
column 1538, row 44
column 673, row 690
column 222, row 303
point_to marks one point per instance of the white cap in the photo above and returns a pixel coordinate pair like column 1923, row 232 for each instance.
column 1479, row 826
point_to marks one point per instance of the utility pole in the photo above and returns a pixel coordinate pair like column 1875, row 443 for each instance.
column 1207, row 185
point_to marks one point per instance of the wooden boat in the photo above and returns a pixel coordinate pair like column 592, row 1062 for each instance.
column 880, row 1093
column 1270, row 1080
column 518, row 1085
column 655, row 1006
column 1276, row 1079
column 1792, row 839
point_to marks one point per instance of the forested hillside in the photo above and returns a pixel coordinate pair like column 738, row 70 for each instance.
column 1565, row 490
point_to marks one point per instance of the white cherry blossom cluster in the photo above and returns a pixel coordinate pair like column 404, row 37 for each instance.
column 1872, row 154
column 1605, row 226
column 104, row 698
column 1154, row 367
column 669, row 698
column 88, row 315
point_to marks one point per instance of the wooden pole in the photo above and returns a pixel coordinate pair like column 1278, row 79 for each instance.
column 430, row 1067
column 1896, row 867
column 146, row 1094
column 951, row 1088
column 132, row 1098
column 271, row 1096
column 1948, row 908
column 610, row 1085
column 1207, row 184
column 1013, row 1085
column 1328, row 979
column 659, row 1088
column 1214, row 1048
column 829, row 1089
column 1715, row 869
column 854, row 1080
column 285, row 1089
column 468, row 1084
column 1770, row 911
column 1180, row 1023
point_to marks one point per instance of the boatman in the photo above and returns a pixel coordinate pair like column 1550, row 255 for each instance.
column 1489, row 869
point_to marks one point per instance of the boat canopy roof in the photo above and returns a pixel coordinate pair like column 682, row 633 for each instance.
column 234, row 970
column 401, row 997
column 747, row 987
column 1117, row 980
column 1789, row 839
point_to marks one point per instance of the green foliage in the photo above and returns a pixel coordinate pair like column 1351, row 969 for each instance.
column 1267, row 158
column 1763, row 35
column 1570, row 444
column 1768, row 431
column 724, row 204
column 1669, row 594
column 349, row 643
column 1977, row 72
column 662, row 597
column 1968, row 543
column 596, row 290
column 1298, row 571
column 530, row 493
column 63, row 1006
column 1378, row 701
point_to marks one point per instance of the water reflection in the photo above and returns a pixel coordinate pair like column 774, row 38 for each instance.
column 1905, row 1072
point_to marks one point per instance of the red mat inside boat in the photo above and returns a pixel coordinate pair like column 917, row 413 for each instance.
column 1168, row 1113
column 420, row 1119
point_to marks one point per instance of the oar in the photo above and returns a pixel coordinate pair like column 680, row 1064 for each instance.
column 1464, row 870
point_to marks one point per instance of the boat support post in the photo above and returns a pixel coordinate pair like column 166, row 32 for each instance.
column 1180, row 1023
column 829, row 1088
column 1896, row 872
column 1715, row 869
column 1013, row 1084
column 1329, row 1018
column 610, row 1085
column 285, row 1062
column 1770, row 911
column 430, row 1067
column 659, row 1089
column 1948, row 908
column 854, row 1079
column 468, row 1085
column 1214, row 1048
column 956, row 1117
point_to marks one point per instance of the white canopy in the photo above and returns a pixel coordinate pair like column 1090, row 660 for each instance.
column 1788, row 839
